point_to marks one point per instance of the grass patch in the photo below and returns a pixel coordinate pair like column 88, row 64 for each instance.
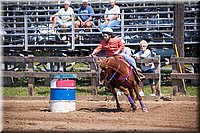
column 45, row 91
column 14, row 91
column 86, row 90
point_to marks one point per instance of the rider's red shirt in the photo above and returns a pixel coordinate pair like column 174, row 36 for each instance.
column 110, row 47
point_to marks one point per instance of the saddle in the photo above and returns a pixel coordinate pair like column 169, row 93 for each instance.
column 138, row 75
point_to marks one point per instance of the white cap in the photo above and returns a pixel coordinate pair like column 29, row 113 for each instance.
column 84, row 1
column 107, row 30
column 67, row 2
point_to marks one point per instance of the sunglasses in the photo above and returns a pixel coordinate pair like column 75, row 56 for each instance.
column 143, row 46
column 105, row 35
column 66, row 4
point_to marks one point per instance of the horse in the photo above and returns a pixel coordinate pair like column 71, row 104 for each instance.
column 115, row 72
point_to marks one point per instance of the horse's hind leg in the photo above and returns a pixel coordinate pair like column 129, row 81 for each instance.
column 131, row 100
column 139, row 97
column 132, row 96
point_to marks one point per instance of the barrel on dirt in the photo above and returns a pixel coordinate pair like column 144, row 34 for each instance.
column 63, row 92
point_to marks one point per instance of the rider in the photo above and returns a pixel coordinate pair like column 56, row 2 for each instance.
column 113, row 46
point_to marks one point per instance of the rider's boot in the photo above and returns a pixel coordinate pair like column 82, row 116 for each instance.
column 139, row 75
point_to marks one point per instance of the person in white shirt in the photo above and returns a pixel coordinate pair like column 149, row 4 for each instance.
column 111, row 16
column 63, row 17
column 146, row 67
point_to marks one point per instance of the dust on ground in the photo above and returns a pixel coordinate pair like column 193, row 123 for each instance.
column 100, row 115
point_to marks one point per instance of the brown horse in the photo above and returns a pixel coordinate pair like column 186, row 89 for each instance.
column 117, row 73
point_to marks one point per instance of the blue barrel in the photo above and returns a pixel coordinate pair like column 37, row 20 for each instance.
column 63, row 92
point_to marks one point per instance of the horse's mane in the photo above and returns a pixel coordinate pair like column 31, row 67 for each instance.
column 113, row 63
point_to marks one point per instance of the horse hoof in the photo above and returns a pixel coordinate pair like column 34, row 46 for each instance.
column 134, row 107
column 145, row 110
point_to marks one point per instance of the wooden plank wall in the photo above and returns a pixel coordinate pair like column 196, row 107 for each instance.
column 31, row 74
column 177, row 76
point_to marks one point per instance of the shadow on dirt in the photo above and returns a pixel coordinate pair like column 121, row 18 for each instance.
column 45, row 110
column 100, row 110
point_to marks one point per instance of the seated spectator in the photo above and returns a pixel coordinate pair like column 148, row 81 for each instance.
column 111, row 16
column 85, row 17
column 63, row 17
column 146, row 67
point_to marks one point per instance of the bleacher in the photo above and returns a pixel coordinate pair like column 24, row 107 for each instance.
column 25, row 24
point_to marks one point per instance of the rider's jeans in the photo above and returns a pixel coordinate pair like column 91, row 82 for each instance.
column 130, row 59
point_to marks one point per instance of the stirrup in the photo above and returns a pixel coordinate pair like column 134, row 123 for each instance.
column 141, row 76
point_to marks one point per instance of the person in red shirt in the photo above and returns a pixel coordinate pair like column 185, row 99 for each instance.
column 112, row 44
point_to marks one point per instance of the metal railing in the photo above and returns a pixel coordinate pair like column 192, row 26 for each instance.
column 29, row 31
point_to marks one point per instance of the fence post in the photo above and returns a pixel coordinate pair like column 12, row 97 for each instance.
column 158, row 81
column 179, row 40
column 93, row 80
column 31, row 80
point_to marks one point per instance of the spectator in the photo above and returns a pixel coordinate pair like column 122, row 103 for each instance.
column 111, row 16
column 85, row 17
column 146, row 68
column 63, row 17
column 113, row 46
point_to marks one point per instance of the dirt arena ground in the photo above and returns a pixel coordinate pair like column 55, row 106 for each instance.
column 98, row 114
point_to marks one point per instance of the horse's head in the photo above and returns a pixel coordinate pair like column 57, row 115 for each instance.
column 103, row 76
column 103, row 69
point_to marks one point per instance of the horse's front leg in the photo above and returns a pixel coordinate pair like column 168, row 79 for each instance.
column 112, row 90
column 130, row 99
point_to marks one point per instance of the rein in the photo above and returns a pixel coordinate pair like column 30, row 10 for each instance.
column 114, row 73
column 121, row 79
column 94, row 61
column 131, row 68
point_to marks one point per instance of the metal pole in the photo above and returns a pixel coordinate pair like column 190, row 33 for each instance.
column 25, row 33
column 122, row 24
column 73, row 32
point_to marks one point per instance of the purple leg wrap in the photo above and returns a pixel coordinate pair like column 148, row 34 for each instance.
column 131, row 100
column 142, row 104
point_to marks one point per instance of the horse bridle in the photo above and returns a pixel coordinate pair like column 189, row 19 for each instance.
column 111, row 78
